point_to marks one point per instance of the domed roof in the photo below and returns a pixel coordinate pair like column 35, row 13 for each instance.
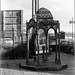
column 44, row 13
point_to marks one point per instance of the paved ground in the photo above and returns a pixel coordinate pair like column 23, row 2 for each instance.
column 10, row 67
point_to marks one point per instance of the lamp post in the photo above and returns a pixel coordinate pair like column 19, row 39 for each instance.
column 72, row 22
column 0, row 6
column 72, row 27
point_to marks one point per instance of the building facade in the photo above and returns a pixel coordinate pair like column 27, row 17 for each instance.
column 12, row 21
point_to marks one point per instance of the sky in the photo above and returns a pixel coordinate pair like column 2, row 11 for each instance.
column 62, row 10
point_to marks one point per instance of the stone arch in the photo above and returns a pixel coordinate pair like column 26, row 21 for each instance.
column 51, row 31
column 51, row 38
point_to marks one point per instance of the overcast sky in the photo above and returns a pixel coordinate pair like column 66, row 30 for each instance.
column 62, row 10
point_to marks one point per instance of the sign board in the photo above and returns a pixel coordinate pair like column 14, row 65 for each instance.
column 71, row 22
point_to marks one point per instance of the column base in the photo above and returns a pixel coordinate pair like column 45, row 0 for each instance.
column 34, row 58
column 38, row 64
column 59, row 62
column 56, row 60
column 27, row 62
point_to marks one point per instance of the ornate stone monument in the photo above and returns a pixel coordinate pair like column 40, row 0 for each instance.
column 43, row 20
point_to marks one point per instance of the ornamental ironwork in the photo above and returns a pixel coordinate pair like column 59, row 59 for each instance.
column 44, row 14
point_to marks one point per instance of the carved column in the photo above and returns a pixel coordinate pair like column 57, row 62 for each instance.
column 56, row 47
column 49, row 44
column 46, row 43
column 59, row 61
column 38, row 63
column 35, row 45
column 43, row 48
